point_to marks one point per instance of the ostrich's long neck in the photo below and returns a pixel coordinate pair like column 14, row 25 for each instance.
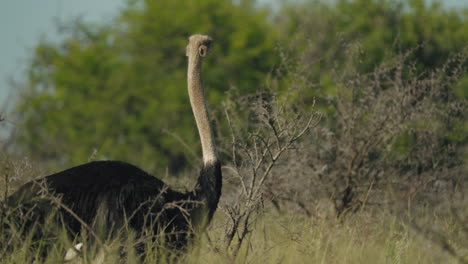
column 197, row 100
column 208, row 187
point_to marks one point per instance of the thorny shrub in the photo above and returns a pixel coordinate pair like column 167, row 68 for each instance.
column 393, row 139
column 263, row 128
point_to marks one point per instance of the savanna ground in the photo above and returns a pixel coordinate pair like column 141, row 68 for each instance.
column 373, row 236
column 345, row 143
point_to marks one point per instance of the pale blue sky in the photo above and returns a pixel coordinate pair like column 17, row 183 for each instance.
column 24, row 22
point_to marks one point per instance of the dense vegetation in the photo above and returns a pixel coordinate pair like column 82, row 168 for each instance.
column 138, row 64
column 355, row 109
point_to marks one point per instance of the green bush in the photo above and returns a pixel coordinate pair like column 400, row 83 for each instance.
column 119, row 91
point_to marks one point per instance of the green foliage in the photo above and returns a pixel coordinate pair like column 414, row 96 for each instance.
column 337, row 41
column 120, row 89
column 377, row 30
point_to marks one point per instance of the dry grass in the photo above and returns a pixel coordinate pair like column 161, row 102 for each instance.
column 285, row 236
column 291, row 239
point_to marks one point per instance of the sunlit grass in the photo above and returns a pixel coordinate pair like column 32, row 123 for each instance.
column 369, row 236
column 279, row 239
column 296, row 239
column 364, row 237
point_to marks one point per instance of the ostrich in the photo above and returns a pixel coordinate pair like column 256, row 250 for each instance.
column 112, row 194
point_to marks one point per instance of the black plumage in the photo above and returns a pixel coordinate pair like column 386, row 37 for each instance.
column 117, row 195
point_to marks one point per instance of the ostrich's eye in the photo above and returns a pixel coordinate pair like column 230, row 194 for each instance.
column 203, row 50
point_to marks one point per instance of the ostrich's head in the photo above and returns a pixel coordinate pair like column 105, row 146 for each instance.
column 198, row 45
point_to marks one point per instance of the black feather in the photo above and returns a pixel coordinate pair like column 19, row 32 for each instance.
column 114, row 194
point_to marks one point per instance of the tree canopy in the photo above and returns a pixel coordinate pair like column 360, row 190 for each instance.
column 118, row 90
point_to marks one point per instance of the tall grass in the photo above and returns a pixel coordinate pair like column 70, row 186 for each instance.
column 281, row 238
